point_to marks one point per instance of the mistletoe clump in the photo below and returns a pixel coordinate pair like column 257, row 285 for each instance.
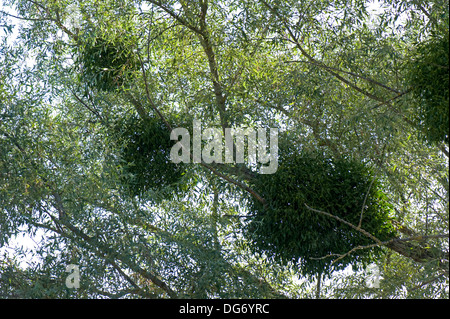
column 428, row 77
column 146, row 155
column 290, row 227
column 107, row 63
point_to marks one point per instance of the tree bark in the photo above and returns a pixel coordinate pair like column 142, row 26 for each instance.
column 318, row 286
column 418, row 253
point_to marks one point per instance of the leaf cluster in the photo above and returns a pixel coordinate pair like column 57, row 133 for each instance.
column 147, row 156
column 107, row 64
column 428, row 76
column 286, row 229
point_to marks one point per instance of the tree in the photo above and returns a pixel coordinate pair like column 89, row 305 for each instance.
column 85, row 130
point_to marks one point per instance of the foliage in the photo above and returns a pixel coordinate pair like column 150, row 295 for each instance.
column 86, row 88
column 147, row 155
column 288, row 230
column 106, row 63
column 428, row 75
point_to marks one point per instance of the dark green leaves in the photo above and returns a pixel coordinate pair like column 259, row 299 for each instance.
column 288, row 231
column 147, row 156
column 428, row 75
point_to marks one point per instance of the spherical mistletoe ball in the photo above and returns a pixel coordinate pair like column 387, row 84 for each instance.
column 146, row 155
column 288, row 231
column 106, row 63
column 428, row 77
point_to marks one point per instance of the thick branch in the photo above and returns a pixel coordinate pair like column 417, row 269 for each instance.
column 403, row 246
column 218, row 91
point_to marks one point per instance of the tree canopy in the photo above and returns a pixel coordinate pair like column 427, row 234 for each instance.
column 90, row 92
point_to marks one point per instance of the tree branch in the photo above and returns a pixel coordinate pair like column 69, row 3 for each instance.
column 294, row 40
column 175, row 16
column 349, row 73
column 57, row 20
column 93, row 111
column 359, row 229
column 24, row 18
column 364, row 202
column 99, row 248
column 169, row 127
column 399, row 245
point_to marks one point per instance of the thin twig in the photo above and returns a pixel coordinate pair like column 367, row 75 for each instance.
column 392, row 99
column 24, row 18
column 349, row 73
column 359, row 229
column 364, row 202
column 429, row 281
column 93, row 111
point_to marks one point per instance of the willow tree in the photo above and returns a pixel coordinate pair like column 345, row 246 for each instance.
column 91, row 91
